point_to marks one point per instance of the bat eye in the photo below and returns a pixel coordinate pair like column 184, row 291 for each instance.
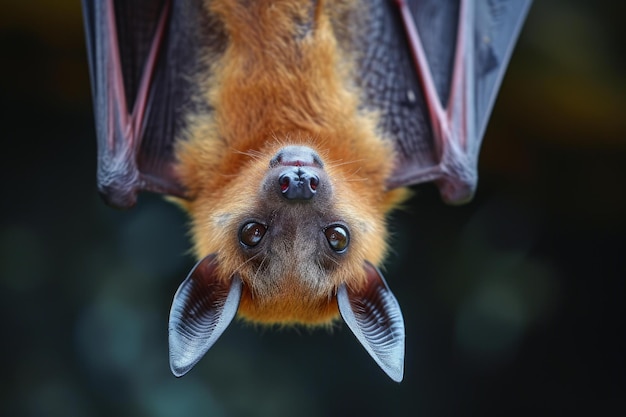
column 251, row 234
column 338, row 237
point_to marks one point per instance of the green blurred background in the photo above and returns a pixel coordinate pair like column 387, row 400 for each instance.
column 514, row 304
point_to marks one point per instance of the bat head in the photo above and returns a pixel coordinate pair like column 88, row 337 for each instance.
column 292, row 222
column 296, row 228
column 291, row 241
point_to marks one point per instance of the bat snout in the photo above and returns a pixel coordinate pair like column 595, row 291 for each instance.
column 298, row 183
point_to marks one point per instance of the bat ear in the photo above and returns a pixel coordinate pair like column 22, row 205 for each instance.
column 373, row 314
column 202, row 309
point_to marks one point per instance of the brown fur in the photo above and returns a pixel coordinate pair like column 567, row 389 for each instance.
column 283, row 80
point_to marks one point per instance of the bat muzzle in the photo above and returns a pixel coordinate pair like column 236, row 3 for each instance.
column 298, row 183
column 301, row 172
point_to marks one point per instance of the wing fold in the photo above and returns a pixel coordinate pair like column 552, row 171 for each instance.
column 443, row 63
column 143, row 56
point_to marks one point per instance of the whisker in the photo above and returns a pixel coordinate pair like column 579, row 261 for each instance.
column 256, row 273
column 254, row 154
column 238, row 268
column 330, row 258
column 334, row 164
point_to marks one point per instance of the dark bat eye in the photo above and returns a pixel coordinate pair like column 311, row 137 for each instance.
column 252, row 233
column 338, row 237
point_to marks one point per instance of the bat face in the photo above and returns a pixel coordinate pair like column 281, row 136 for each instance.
column 292, row 238
column 292, row 227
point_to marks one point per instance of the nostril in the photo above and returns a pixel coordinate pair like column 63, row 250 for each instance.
column 284, row 182
column 298, row 183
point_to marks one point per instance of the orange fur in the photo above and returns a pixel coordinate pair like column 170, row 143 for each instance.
column 280, row 82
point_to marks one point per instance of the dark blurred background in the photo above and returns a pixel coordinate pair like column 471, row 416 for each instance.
column 514, row 304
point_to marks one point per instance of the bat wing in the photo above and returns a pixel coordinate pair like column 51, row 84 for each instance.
column 432, row 68
column 142, row 57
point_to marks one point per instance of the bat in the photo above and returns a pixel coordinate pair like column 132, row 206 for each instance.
column 288, row 130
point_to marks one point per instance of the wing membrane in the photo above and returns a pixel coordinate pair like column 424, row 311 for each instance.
column 433, row 71
column 143, row 57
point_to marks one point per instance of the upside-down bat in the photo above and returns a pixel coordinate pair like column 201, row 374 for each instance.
column 288, row 130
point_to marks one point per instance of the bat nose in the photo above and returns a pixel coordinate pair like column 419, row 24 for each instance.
column 298, row 183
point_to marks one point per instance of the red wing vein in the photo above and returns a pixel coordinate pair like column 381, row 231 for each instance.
column 144, row 88
column 117, row 100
